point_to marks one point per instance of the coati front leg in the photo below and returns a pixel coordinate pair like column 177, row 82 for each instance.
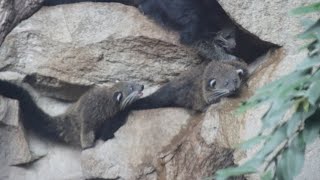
column 87, row 136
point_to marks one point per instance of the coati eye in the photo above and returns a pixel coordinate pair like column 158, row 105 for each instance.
column 117, row 96
column 240, row 72
column 212, row 83
column 131, row 88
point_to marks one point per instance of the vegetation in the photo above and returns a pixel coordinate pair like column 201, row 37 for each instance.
column 293, row 118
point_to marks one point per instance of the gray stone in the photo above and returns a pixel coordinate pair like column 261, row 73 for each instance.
column 131, row 153
column 9, row 112
column 13, row 12
column 70, row 47
column 91, row 42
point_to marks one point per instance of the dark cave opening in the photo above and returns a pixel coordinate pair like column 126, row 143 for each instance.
column 248, row 46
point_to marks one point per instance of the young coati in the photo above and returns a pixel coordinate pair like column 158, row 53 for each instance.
column 198, row 88
column 79, row 124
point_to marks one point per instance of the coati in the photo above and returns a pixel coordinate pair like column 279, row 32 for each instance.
column 79, row 124
column 57, row 2
column 194, row 19
column 221, row 46
column 198, row 88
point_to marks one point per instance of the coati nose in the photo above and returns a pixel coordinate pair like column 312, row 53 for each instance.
column 233, row 90
column 235, row 81
column 142, row 87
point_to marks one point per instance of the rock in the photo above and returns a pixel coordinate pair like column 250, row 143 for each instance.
column 268, row 20
column 9, row 112
column 132, row 151
column 157, row 143
column 13, row 142
column 19, row 149
column 61, row 162
column 13, row 12
column 63, row 50
column 75, row 44
column 12, row 137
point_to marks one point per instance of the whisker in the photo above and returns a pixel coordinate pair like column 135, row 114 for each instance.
column 128, row 100
column 218, row 90
column 219, row 94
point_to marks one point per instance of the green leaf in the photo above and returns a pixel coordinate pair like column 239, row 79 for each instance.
column 292, row 159
column 294, row 122
column 234, row 171
column 311, row 32
column 310, row 45
column 314, row 47
column 306, row 106
column 252, row 142
column 267, row 176
column 296, row 152
column 309, row 62
column 312, row 127
column 297, row 118
column 306, row 9
column 272, row 142
column 307, row 22
column 314, row 92
column 275, row 113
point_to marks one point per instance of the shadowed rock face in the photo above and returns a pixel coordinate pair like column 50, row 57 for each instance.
column 68, row 48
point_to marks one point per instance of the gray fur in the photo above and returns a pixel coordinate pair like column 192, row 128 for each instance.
column 192, row 89
column 79, row 124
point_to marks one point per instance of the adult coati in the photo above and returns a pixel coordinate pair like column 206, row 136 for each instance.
column 198, row 88
column 79, row 124
column 57, row 2
column 194, row 19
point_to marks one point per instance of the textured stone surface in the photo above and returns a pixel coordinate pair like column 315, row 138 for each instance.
column 76, row 43
column 162, row 143
column 269, row 20
column 69, row 48
column 139, row 142
column 12, row 12
column 9, row 112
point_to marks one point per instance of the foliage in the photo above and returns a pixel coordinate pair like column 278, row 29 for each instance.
column 293, row 118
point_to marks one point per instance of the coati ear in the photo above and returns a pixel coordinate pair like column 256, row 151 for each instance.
column 241, row 66
column 117, row 96
column 240, row 72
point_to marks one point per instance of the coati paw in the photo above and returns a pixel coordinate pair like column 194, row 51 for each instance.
column 87, row 140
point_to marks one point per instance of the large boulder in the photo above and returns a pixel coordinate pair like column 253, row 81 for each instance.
column 13, row 12
column 87, row 42
column 68, row 48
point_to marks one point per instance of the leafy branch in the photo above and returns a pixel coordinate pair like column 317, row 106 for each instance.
column 293, row 118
